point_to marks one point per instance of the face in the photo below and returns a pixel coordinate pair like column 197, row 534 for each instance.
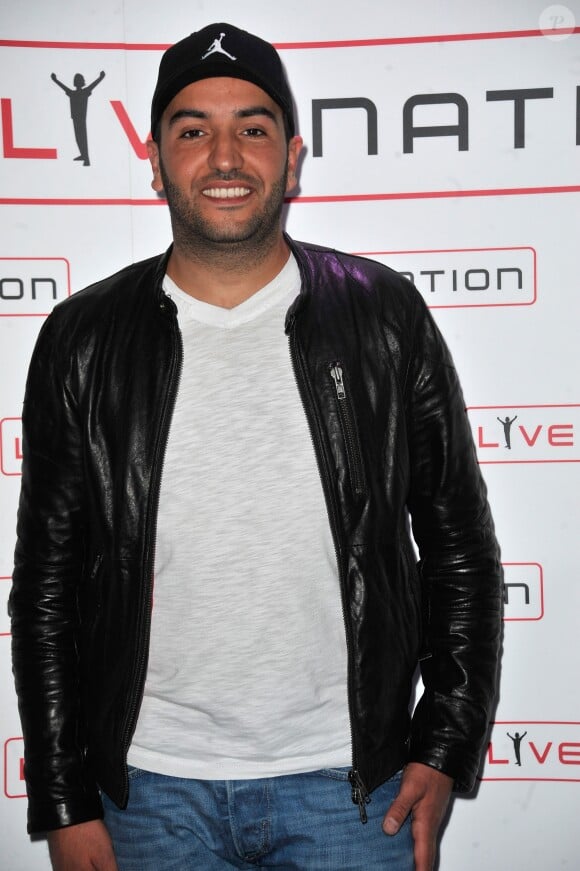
column 224, row 164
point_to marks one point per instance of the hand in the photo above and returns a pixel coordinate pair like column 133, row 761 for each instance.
column 84, row 847
column 424, row 794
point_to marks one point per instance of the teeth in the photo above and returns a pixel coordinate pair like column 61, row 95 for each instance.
column 226, row 193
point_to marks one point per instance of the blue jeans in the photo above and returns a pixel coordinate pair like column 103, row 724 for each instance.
column 297, row 822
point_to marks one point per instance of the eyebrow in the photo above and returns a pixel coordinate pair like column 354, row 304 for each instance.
column 256, row 110
column 249, row 112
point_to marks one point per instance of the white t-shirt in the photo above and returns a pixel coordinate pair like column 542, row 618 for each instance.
column 247, row 664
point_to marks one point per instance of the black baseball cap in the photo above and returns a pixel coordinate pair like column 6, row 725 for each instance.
column 221, row 50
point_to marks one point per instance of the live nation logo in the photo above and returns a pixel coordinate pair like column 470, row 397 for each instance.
column 533, row 750
column 415, row 120
column 523, row 591
column 468, row 277
column 10, row 446
column 32, row 286
column 526, row 433
column 14, row 784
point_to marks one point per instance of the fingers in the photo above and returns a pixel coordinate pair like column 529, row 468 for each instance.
column 424, row 794
column 397, row 813
column 425, row 840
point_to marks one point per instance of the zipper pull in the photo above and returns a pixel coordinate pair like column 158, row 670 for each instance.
column 336, row 372
column 96, row 566
column 360, row 795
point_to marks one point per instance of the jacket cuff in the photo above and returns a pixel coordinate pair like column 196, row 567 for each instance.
column 45, row 816
column 456, row 763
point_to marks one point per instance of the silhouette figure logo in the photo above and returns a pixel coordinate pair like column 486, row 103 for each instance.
column 216, row 48
column 79, row 99
column 507, row 425
column 517, row 742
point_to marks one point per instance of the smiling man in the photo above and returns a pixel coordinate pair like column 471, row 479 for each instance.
column 217, row 612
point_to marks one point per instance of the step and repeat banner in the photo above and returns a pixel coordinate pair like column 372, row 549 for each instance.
column 442, row 139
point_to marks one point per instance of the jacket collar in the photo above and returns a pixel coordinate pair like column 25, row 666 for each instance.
column 160, row 270
column 304, row 267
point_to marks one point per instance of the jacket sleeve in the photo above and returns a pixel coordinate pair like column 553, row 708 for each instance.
column 44, row 597
column 461, row 575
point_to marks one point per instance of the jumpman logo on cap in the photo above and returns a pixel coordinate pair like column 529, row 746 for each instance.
column 216, row 46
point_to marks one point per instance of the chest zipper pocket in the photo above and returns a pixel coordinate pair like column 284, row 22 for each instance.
column 349, row 430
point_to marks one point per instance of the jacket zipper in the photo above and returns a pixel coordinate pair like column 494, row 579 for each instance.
column 360, row 795
column 349, row 429
column 359, row 792
column 150, row 543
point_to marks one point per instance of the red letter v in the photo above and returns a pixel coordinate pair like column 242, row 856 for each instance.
column 138, row 146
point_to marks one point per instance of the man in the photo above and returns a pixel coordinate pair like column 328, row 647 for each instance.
column 217, row 614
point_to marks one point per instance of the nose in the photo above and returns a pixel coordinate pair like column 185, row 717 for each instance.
column 225, row 153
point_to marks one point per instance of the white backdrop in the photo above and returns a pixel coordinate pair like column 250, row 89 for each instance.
column 484, row 217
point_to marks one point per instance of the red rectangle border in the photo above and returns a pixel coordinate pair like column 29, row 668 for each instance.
column 34, row 259
column 466, row 251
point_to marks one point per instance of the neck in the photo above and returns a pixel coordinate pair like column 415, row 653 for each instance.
column 226, row 275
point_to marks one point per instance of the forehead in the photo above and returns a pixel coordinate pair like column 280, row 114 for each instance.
column 222, row 95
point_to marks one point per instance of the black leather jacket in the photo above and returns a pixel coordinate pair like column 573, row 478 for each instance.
column 392, row 439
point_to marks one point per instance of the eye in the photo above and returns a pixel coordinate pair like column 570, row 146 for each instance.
column 191, row 133
column 254, row 132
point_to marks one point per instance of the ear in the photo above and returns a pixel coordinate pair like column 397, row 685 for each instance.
column 294, row 149
column 153, row 154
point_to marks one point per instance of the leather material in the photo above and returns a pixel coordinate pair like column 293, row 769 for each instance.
column 393, row 439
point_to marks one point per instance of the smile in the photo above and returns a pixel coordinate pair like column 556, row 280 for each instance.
column 226, row 193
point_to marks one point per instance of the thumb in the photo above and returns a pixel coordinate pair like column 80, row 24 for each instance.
column 396, row 815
